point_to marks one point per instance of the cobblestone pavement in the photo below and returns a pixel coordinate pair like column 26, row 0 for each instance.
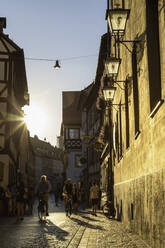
column 83, row 231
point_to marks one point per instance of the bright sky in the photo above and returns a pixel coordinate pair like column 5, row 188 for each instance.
column 55, row 29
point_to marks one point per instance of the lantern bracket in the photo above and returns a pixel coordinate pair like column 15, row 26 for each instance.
column 125, row 82
column 115, row 106
column 118, row 41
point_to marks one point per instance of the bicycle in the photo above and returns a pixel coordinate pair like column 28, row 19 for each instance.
column 68, row 205
column 42, row 207
column 108, row 209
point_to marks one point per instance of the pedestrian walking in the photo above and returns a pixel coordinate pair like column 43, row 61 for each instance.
column 94, row 196
column 75, row 197
column 14, row 205
column 25, row 200
column 20, row 191
column 8, row 196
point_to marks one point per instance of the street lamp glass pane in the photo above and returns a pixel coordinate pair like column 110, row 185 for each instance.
column 117, row 19
column 112, row 67
column 109, row 93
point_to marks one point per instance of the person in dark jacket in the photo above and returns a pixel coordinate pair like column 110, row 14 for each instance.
column 68, row 186
column 44, row 188
column 67, row 194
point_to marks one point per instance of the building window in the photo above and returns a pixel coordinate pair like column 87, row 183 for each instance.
column 153, row 53
column 74, row 133
column 77, row 160
column 114, row 137
column 120, row 122
column 135, row 91
column 126, row 115
column 117, row 136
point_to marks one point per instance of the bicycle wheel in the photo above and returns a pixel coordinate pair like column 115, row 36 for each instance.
column 105, row 209
column 68, row 208
column 40, row 212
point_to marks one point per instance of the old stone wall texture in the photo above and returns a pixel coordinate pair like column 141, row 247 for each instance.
column 139, row 175
column 140, row 205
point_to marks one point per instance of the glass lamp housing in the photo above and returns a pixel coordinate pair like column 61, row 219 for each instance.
column 109, row 93
column 117, row 19
column 112, row 66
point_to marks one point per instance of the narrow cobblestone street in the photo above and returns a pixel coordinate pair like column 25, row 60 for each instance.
column 82, row 231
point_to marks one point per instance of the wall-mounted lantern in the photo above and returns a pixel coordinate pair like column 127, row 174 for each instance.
column 109, row 93
column 117, row 19
column 112, row 66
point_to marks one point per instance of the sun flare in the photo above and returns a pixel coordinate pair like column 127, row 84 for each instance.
column 36, row 119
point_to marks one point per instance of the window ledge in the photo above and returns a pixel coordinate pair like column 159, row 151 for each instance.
column 156, row 108
column 137, row 134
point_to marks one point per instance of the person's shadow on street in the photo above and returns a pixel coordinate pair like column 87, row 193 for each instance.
column 49, row 228
column 86, row 224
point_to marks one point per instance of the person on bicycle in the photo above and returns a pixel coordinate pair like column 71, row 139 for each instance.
column 44, row 188
column 67, row 194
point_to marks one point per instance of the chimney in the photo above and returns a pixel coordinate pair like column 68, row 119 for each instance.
column 2, row 24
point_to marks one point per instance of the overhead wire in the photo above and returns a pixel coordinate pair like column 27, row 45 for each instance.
column 69, row 58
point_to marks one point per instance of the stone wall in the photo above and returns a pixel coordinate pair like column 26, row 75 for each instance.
column 139, row 174
column 140, row 205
